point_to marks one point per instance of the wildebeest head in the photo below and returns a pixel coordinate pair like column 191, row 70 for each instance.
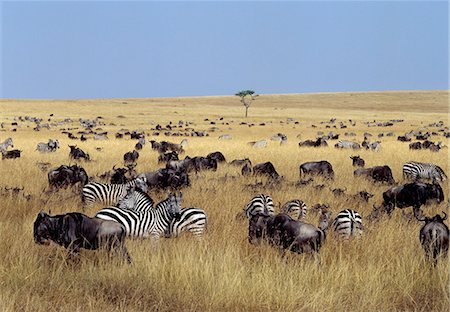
column 43, row 227
column 435, row 191
column 436, row 218
column 257, row 227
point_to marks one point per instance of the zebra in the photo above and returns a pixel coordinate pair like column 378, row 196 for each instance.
column 260, row 204
column 348, row 144
column 295, row 207
column 347, row 223
column 416, row 170
column 193, row 220
column 148, row 222
column 136, row 200
column 4, row 146
column 110, row 194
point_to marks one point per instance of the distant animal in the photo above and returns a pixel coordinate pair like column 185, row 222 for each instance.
column 193, row 220
column 65, row 176
column 12, row 154
column 138, row 146
column 322, row 167
column 260, row 204
column 204, row 163
column 266, row 169
column 218, row 156
column 5, row 144
column 413, row 194
column 165, row 178
column 347, row 223
column 415, row 145
column 77, row 153
column 377, row 174
column 110, row 194
column 357, row 161
column 241, row 162
column 434, row 236
column 149, row 223
column 364, row 195
column 296, row 208
column 348, row 144
column 75, row 231
column 404, row 138
column 414, row 170
column 51, row 146
column 311, row 143
column 166, row 157
column 258, row 144
column 130, row 157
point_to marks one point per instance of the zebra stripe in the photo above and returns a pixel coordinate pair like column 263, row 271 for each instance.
column 348, row 223
column 110, row 194
column 295, row 208
column 5, row 144
column 136, row 200
column 149, row 222
column 416, row 170
column 193, row 220
column 260, row 204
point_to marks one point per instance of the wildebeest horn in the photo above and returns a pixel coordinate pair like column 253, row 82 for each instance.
column 445, row 216
column 423, row 219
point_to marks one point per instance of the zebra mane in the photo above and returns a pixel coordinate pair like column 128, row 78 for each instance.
column 441, row 172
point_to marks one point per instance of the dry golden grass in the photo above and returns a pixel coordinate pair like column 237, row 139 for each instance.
column 383, row 271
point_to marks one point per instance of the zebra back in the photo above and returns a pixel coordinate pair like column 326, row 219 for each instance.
column 260, row 204
column 416, row 170
column 193, row 220
column 295, row 208
column 348, row 223
column 136, row 200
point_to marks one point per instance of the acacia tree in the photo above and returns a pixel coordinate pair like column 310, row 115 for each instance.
column 247, row 96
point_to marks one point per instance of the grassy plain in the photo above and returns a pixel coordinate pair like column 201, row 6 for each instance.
column 383, row 271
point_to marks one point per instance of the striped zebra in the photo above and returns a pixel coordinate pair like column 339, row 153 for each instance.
column 148, row 222
column 296, row 208
column 110, row 194
column 416, row 170
column 260, row 204
column 347, row 223
column 5, row 144
column 136, row 200
column 193, row 220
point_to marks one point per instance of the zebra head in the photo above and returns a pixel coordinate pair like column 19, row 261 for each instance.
column 172, row 204
column 141, row 184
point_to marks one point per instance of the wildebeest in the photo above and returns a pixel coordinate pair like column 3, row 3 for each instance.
column 413, row 194
column 5, row 144
column 240, row 162
column 434, row 236
column 218, row 156
column 78, row 153
column 266, row 169
column 322, row 167
column 415, row 145
column 51, row 146
column 166, row 178
column 163, row 147
column 357, row 161
column 75, row 230
column 130, row 157
column 377, row 173
column 12, row 154
column 65, row 176
column 166, row 157
column 310, row 143
column 204, row 163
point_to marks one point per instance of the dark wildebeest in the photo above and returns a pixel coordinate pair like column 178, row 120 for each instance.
column 51, row 146
column 377, row 173
column 415, row 145
column 266, row 169
column 65, row 176
column 322, row 167
column 434, row 236
column 166, row 178
column 75, row 230
column 77, row 153
column 166, row 157
column 310, row 143
column 404, row 138
column 241, row 162
column 357, row 161
column 130, row 157
column 204, row 163
column 218, row 156
column 413, row 194
column 12, row 154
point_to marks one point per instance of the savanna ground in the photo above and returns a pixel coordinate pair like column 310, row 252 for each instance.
column 385, row 270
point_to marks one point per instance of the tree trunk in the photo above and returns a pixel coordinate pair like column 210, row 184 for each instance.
column 246, row 110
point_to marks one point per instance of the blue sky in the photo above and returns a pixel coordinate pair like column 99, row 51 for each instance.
column 161, row 49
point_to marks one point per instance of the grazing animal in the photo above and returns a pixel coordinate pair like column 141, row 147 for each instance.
column 258, row 144
column 130, row 157
column 434, row 236
column 193, row 220
column 218, row 156
column 260, row 204
column 296, row 208
column 348, row 144
column 147, row 223
column 310, row 143
column 415, row 171
column 167, row 178
column 49, row 147
column 267, row 169
column 415, row 145
column 240, row 162
column 65, row 176
column 413, row 194
column 12, row 154
column 322, row 167
column 169, row 156
column 136, row 200
column 75, row 231
column 204, row 163
column 258, row 226
column 110, row 194
column 246, row 169
column 5, row 144
column 357, row 161
column 78, row 153
column 377, row 174
column 347, row 223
